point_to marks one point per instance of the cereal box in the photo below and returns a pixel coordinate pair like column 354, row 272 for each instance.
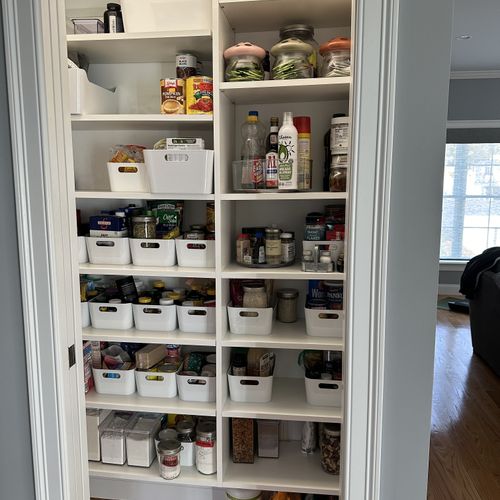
column 199, row 95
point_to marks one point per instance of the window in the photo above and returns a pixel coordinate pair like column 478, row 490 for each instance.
column 471, row 200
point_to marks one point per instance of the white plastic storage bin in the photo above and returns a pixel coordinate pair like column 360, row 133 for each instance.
column 156, row 384
column 142, row 16
column 324, row 392
column 195, row 253
column 155, row 253
column 250, row 389
column 248, row 321
column 82, row 250
column 180, row 172
column 85, row 313
column 324, row 323
column 108, row 250
column 155, row 318
column 194, row 388
column 88, row 98
column 196, row 319
column 111, row 316
column 116, row 382
column 128, row 177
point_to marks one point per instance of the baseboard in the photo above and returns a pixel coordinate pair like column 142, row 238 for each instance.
column 449, row 289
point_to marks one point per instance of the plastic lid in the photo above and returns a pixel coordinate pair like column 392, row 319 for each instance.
column 288, row 293
column 336, row 44
column 302, row 124
column 244, row 49
column 286, row 235
column 166, row 302
column 145, row 300
column 253, row 113
column 303, row 29
column 113, row 6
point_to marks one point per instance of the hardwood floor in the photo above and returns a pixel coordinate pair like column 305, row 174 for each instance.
column 465, row 437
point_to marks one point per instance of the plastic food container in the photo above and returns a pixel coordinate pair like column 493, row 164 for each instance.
column 324, row 323
column 324, row 392
column 244, row 62
column 87, row 26
column 115, row 382
column 336, row 57
column 292, row 60
column 196, row 319
column 112, row 433
column 151, row 252
column 155, row 318
column 195, row 388
column 112, row 316
column 140, row 439
column 128, row 177
column 248, row 321
column 115, row 251
column 250, row 389
column 243, row 494
column 195, row 253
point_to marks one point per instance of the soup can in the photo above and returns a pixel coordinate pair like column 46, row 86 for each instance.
column 334, row 295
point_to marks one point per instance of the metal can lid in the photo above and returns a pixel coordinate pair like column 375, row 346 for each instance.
column 145, row 300
column 184, row 427
column 169, row 447
column 206, row 429
column 288, row 293
column 253, row 287
column 143, row 218
column 286, row 236
column 167, row 434
column 115, row 301
column 158, row 284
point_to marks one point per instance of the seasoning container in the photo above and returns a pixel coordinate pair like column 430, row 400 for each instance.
column 173, row 94
column 169, row 459
column 243, row 251
column 292, row 60
column 113, row 19
column 315, row 227
column 340, row 134
column 273, row 246
column 254, row 295
column 330, row 448
column 305, row 33
column 243, row 440
column 336, row 57
column 268, row 438
column 185, row 65
column 206, row 451
column 258, row 248
column 244, row 62
column 144, row 227
column 187, row 437
column 338, row 174
column 239, row 365
column 287, row 248
column 287, row 305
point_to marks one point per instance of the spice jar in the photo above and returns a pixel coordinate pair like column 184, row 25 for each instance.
column 292, row 60
column 254, row 296
column 305, row 33
column 206, row 451
column 287, row 305
column 330, row 448
column 315, row 227
column 287, row 248
column 336, row 57
column 244, row 62
column 338, row 173
column 168, row 458
column 187, row 437
column 144, row 227
column 273, row 246
column 243, row 251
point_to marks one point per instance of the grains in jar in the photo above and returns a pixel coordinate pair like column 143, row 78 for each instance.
column 330, row 448
column 287, row 305
column 254, row 296
column 168, row 457
column 273, row 246
column 144, row 227
column 206, row 451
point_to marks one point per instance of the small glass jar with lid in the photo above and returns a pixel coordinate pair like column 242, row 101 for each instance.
column 330, row 448
column 292, row 60
column 144, row 227
column 287, row 305
column 244, row 62
column 287, row 248
column 254, row 296
column 338, row 173
column 169, row 459
column 273, row 246
column 336, row 57
column 305, row 33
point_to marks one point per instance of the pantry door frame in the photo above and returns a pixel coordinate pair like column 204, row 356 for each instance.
column 41, row 133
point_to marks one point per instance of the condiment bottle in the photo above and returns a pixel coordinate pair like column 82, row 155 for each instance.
column 287, row 248
column 273, row 246
column 272, row 155
column 243, row 253
column 303, row 126
column 287, row 154
column 259, row 249
column 113, row 20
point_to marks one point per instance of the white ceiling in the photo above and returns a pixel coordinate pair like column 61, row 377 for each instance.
column 481, row 20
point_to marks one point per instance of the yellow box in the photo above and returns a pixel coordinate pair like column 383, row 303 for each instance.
column 199, row 95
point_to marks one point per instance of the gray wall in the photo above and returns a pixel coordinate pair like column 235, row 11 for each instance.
column 16, row 469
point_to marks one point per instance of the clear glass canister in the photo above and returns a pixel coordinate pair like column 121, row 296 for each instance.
column 287, row 305
column 273, row 246
column 144, row 227
column 169, row 459
column 292, row 60
column 330, row 448
column 254, row 296
column 206, row 451
column 244, row 62
column 305, row 33
column 336, row 57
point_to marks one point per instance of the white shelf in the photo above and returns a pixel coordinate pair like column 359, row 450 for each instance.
column 281, row 273
column 284, row 196
column 130, row 270
column 278, row 91
column 134, row 402
column 115, row 195
column 149, row 337
column 292, row 471
column 284, row 336
column 189, row 475
column 288, row 403
column 141, row 121
column 141, row 47
column 264, row 15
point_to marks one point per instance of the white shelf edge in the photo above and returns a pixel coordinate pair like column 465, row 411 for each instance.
column 181, row 272
column 305, row 341
column 284, row 196
column 292, row 272
column 276, row 84
column 142, row 118
column 116, row 195
column 153, row 35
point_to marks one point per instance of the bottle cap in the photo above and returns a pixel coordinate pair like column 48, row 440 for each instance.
column 286, row 235
column 158, row 284
column 145, row 300
column 253, row 113
column 302, row 124
column 166, row 302
column 243, row 236
column 113, row 6
column 287, row 117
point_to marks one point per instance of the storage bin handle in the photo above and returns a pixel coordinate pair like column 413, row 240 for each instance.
column 112, row 375
column 249, row 314
column 197, row 312
column 107, row 309
column 155, row 378
column 196, row 246
column 128, row 169
column 176, row 157
column 323, row 315
column 249, row 382
column 328, row 385
column 104, row 243
column 196, row 381
column 146, row 244
column 151, row 310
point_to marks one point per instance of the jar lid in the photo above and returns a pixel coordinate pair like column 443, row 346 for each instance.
column 336, row 44
column 169, row 447
column 253, row 287
column 288, row 293
column 332, row 429
column 166, row 302
column 143, row 218
column 304, row 30
column 291, row 45
column 244, row 49
column 145, row 300
column 113, row 6
column 243, row 236
column 158, row 284
column 273, row 230
column 115, row 301
column 206, row 429
column 237, row 494
column 286, row 235
column 167, row 435
column 185, row 427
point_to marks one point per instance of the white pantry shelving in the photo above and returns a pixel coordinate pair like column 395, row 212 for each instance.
column 282, row 273
column 310, row 195
column 131, row 270
column 115, row 195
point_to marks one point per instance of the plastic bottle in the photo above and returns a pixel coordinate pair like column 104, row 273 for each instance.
column 288, row 154
column 253, row 150
column 113, row 21
column 272, row 155
column 303, row 126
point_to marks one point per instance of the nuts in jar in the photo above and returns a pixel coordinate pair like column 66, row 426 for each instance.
column 330, row 448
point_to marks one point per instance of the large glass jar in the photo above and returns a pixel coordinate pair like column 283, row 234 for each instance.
column 244, row 62
column 206, row 451
column 292, row 60
column 305, row 33
column 330, row 448
column 336, row 57
column 254, row 296
column 287, row 305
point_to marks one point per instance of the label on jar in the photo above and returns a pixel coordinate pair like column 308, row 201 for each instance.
column 262, row 255
column 206, row 457
column 170, row 467
column 339, row 139
column 273, row 248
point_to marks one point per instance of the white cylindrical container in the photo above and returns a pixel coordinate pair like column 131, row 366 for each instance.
column 288, row 154
column 206, row 451
column 168, row 458
column 243, row 494
column 340, row 135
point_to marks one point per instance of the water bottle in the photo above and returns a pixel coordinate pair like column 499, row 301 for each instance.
column 253, row 152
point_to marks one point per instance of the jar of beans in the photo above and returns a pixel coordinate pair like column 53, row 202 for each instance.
column 330, row 448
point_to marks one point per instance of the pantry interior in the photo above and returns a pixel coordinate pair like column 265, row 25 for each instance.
column 144, row 59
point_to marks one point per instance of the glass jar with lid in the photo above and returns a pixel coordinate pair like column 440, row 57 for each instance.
column 292, row 60
column 144, row 227
column 168, row 458
column 244, row 62
column 330, row 448
column 336, row 57
column 338, row 173
column 254, row 295
column 206, row 451
column 305, row 33
column 287, row 305
column 273, row 246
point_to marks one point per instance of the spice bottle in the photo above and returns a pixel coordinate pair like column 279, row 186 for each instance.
column 287, row 305
column 273, row 246
column 287, row 248
column 113, row 20
column 243, row 253
column 206, row 451
column 272, row 155
column 304, row 166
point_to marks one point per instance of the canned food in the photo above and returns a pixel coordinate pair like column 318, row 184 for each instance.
column 199, row 95
column 194, row 235
column 317, row 304
column 334, row 295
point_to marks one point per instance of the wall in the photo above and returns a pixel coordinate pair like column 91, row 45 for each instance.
column 16, row 469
